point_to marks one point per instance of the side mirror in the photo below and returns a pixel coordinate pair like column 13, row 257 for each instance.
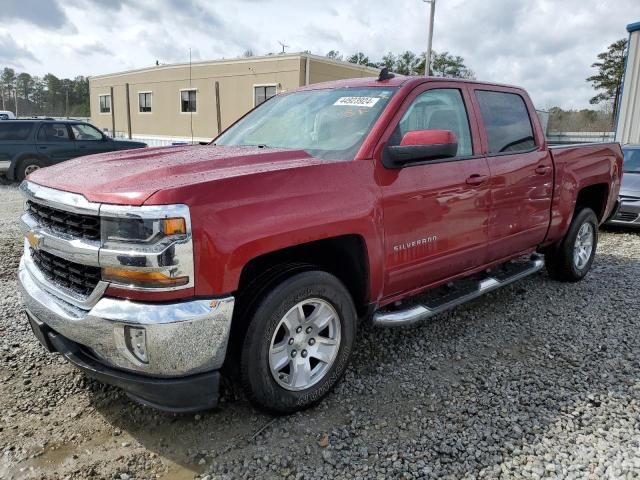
column 422, row 145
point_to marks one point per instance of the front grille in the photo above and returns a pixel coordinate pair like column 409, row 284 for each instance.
column 78, row 278
column 74, row 224
column 626, row 216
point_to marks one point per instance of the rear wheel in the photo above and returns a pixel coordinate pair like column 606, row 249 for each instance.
column 26, row 167
column 298, row 342
column 571, row 259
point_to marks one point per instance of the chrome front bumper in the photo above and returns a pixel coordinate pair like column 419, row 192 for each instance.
column 182, row 338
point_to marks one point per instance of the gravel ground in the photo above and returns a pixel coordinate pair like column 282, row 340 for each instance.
column 538, row 380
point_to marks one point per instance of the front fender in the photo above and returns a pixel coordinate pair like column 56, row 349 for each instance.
column 237, row 219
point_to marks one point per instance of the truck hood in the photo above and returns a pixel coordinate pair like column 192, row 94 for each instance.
column 131, row 177
column 630, row 185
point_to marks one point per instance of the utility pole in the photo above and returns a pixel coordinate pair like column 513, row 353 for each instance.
column 428, row 53
column 15, row 96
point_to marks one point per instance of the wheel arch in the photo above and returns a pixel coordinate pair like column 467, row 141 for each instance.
column 344, row 256
column 595, row 197
column 11, row 173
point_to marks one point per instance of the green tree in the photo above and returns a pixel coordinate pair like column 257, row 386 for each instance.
column 360, row 59
column 388, row 61
column 446, row 65
column 38, row 96
column 408, row 63
column 79, row 104
column 334, row 54
column 24, row 84
column 53, row 104
column 7, row 85
column 608, row 81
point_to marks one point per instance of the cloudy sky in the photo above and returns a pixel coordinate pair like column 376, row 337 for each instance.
column 546, row 46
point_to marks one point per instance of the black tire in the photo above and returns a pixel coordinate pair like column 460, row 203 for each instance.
column 559, row 259
column 25, row 165
column 256, row 376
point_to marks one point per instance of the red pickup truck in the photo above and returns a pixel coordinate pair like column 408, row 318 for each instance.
column 388, row 200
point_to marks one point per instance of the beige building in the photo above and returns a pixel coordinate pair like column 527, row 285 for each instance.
column 172, row 101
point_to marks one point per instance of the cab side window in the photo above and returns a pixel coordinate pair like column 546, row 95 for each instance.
column 53, row 132
column 507, row 122
column 438, row 109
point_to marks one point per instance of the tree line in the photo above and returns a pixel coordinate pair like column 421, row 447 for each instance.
column 406, row 63
column 29, row 95
column 584, row 120
column 443, row 64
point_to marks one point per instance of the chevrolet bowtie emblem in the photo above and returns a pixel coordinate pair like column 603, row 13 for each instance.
column 34, row 239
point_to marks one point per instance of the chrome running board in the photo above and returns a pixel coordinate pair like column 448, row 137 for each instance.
column 443, row 298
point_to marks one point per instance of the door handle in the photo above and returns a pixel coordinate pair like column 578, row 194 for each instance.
column 42, row 148
column 477, row 179
column 543, row 169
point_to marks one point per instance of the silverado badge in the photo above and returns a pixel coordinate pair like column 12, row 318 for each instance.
column 415, row 243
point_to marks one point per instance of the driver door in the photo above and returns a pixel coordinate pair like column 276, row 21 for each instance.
column 89, row 140
column 435, row 212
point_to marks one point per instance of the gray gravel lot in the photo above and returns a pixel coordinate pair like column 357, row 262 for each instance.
column 538, row 380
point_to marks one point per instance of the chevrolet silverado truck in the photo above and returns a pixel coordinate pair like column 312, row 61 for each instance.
column 254, row 258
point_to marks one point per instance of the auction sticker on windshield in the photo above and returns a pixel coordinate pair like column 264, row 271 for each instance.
column 357, row 101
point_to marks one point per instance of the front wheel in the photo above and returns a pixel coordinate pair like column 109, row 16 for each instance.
column 298, row 342
column 26, row 167
column 571, row 259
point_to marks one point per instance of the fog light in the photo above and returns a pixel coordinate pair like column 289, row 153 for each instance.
column 135, row 339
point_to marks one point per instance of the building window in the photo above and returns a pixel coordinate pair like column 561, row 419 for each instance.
column 263, row 93
column 188, row 101
column 105, row 103
column 144, row 102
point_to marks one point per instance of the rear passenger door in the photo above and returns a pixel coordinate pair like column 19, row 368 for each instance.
column 54, row 141
column 521, row 172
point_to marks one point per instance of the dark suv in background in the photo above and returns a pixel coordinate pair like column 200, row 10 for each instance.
column 26, row 145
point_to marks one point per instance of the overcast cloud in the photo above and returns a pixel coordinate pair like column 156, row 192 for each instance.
column 544, row 45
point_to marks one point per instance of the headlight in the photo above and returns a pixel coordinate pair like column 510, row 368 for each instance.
column 139, row 231
column 146, row 248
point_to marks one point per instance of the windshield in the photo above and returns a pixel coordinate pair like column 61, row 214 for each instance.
column 329, row 124
column 631, row 161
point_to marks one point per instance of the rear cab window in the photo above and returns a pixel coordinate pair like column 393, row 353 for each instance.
column 15, row 131
column 507, row 122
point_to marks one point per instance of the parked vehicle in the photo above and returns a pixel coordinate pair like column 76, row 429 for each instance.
column 389, row 199
column 628, row 213
column 7, row 115
column 27, row 145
